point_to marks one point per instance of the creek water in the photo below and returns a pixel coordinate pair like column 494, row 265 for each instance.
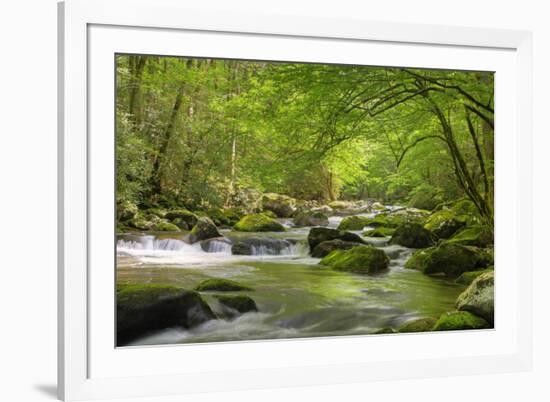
column 296, row 297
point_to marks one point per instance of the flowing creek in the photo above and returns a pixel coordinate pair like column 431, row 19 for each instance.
column 295, row 296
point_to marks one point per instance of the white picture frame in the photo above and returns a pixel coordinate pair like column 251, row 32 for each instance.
column 90, row 367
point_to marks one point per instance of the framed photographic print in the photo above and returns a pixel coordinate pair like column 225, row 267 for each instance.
column 244, row 196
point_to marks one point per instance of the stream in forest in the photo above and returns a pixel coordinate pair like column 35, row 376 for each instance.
column 295, row 296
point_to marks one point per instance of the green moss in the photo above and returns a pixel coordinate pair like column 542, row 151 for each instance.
column 353, row 223
column 325, row 248
column 318, row 235
column 479, row 297
column 379, row 232
column 468, row 277
column 164, row 226
column 478, row 235
column 359, row 260
column 221, row 285
column 448, row 259
column 459, row 320
column 141, row 294
column 418, row 325
column 412, row 235
column 258, row 223
column 203, row 230
column 183, row 218
column 241, row 303
column 391, row 220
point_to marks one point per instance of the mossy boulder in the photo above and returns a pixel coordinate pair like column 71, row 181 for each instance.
column 283, row 206
column 224, row 217
column 424, row 324
column 325, row 248
column 468, row 277
column 379, row 232
column 412, row 235
column 353, row 222
column 147, row 307
column 338, row 204
column 358, row 260
column 478, row 235
column 319, row 235
column 448, row 259
column 125, row 211
column 204, row 229
column 393, row 220
column 479, row 297
column 444, row 223
column 164, row 226
column 459, row 320
column 182, row 218
column 220, row 285
column 258, row 223
column 310, row 218
column 240, row 303
column 143, row 221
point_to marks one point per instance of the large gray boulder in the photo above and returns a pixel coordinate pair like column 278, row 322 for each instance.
column 319, row 235
column 204, row 229
column 479, row 297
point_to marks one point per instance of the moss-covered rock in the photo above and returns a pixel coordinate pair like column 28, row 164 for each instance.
column 448, row 259
column 164, row 226
column 203, row 230
column 143, row 221
column 468, row 277
column 353, row 222
column 479, row 297
column 424, row 324
column 325, row 248
column 258, row 223
column 224, row 217
column 393, row 220
column 379, row 232
column 182, row 218
column 467, row 211
column 444, row 223
column 358, row 260
column 478, row 235
column 412, row 235
column 319, row 235
column 125, row 211
column 147, row 307
column 338, row 205
column 310, row 218
column 240, row 303
column 459, row 320
column 282, row 205
column 220, row 285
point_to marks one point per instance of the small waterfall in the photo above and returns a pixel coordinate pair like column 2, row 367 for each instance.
column 219, row 246
column 151, row 243
column 280, row 247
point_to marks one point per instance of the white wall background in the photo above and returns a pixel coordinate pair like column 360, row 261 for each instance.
column 28, row 199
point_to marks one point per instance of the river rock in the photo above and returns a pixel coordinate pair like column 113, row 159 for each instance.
column 165, row 226
column 424, row 324
column 220, row 285
column 258, row 223
column 240, row 303
column 325, row 248
column 468, row 277
column 319, row 235
column 412, row 235
column 448, row 259
column 379, row 232
column 149, row 307
column 260, row 246
column 283, row 206
column 182, row 218
column 358, row 260
column 310, row 218
column 478, row 235
column 479, row 297
column 444, row 223
column 204, row 229
column 459, row 320
column 353, row 222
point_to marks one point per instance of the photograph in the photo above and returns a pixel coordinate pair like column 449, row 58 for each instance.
column 268, row 200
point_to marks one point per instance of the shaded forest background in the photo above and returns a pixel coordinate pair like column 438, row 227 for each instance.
column 202, row 133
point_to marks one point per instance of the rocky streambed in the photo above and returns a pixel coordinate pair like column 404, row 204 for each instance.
column 295, row 281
